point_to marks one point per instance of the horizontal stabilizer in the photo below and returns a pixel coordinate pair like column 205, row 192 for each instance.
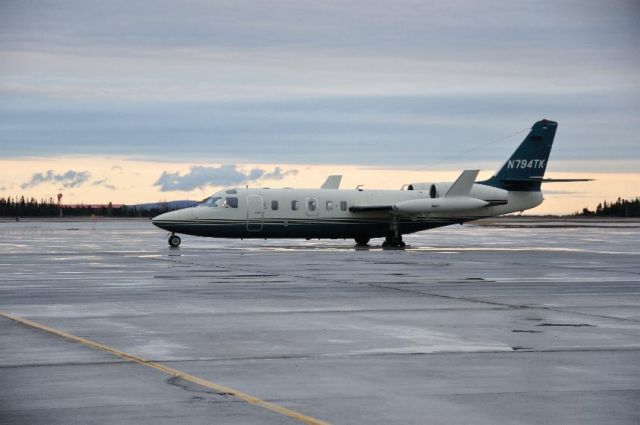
column 463, row 184
column 532, row 182
column 332, row 182
column 566, row 180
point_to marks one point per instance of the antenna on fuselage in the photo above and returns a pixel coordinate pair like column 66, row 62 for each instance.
column 450, row 157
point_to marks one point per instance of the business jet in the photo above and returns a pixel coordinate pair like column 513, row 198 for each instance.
column 359, row 214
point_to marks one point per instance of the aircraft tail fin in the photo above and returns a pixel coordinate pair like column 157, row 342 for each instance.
column 524, row 170
column 463, row 184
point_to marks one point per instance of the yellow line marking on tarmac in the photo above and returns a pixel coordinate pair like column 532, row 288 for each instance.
column 224, row 390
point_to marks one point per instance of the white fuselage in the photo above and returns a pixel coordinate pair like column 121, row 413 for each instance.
column 325, row 213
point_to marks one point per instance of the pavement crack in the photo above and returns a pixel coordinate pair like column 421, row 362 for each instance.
column 177, row 381
column 410, row 291
column 573, row 325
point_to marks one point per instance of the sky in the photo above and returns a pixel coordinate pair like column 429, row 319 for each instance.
column 140, row 101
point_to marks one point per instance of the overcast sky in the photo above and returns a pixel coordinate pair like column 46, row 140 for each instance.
column 403, row 84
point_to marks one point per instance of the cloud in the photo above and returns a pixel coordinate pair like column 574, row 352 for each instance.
column 69, row 179
column 224, row 175
column 104, row 183
column 200, row 176
column 279, row 174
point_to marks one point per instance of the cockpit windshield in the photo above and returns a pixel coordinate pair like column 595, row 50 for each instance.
column 220, row 200
column 212, row 201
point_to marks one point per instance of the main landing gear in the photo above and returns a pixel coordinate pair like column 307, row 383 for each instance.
column 394, row 237
column 362, row 240
column 174, row 240
column 393, row 240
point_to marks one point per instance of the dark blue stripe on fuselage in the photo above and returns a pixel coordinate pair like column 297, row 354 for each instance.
column 298, row 228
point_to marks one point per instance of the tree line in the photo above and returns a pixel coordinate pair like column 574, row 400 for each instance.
column 22, row 207
column 619, row 208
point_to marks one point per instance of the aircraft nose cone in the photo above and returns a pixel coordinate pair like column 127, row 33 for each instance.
column 169, row 220
column 159, row 219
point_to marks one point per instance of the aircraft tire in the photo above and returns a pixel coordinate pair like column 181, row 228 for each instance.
column 174, row 241
column 362, row 240
column 393, row 243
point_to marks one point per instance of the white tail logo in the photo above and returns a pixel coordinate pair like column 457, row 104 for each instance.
column 523, row 163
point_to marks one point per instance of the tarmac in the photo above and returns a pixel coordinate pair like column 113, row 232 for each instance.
column 510, row 322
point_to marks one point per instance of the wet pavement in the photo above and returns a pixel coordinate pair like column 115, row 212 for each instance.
column 510, row 323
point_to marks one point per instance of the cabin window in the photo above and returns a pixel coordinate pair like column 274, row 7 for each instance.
column 329, row 205
column 294, row 205
column 274, row 205
column 230, row 203
column 343, row 205
column 231, row 192
column 312, row 204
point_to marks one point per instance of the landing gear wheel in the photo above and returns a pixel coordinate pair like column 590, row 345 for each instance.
column 174, row 241
column 362, row 240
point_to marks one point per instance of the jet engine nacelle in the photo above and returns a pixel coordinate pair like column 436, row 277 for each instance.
column 431, row 188
column 425, row 206
column 494, row 195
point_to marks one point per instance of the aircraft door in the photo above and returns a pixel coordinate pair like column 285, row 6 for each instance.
column 312, row 206
column 255, row 213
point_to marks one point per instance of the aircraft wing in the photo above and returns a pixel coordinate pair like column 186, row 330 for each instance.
column 457, row 198
column 463, row 184
column 371, row 208
column 332, row 182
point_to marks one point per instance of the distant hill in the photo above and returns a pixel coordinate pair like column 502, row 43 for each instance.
column 21, row 207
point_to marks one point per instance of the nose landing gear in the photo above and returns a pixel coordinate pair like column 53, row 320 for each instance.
column 174, row 240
